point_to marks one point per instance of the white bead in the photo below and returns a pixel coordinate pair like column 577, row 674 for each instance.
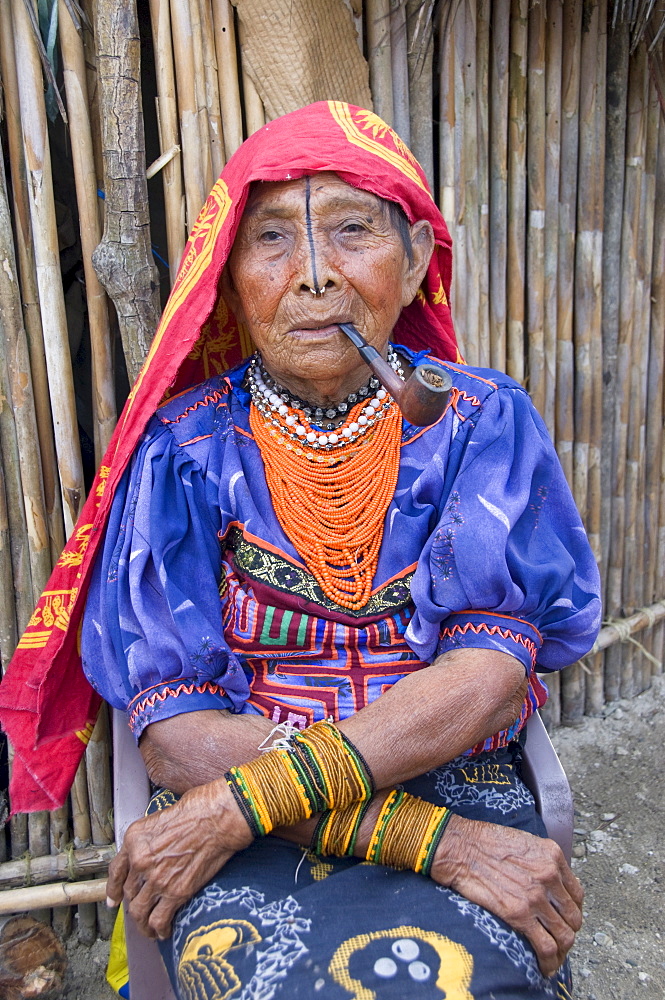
column 283, row 410
column 381, row 394
column 333, row 438
column 311, row 437
column 362, row 419
column 369, row 411
column 300, row 430
column 346, row 431
column 274, row 399
column 291, row 420
column 353, row 427
column 323, row 439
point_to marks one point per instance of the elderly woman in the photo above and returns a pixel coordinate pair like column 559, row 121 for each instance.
column 324, row 622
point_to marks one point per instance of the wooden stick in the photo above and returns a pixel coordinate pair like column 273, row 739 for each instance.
column 618, row 669
column 400, row 70
column 168, row 133
column 39, row 842
column 499, row 80
column 595, row 694
column 191, row 140
column 552, row 149
column 123, row 260
column 200, row 86
column 483, row 150
column 87, row 912
column 69, row 865
column 470, row 181
column 536, row 195
column 253, row 105
column 634, row 575
column 618, row 43
column 57, row 894
column 572, row 681
column 45, row 236
column 458, row 31
column 8, row 628
column 215, row 133
column 655, row 438
column 21, row 400
column 62, row 919
column 377, row 27
column 28, row 278
column 227, row 67
column 517, row 189
column 103, row 387
column 420, row 58
column 98, row 763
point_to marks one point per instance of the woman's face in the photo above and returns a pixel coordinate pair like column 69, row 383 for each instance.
column 313, row 233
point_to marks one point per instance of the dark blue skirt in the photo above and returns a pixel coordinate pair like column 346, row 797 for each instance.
column 280, row 922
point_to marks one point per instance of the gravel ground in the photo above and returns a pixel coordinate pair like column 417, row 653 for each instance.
column 619, row 856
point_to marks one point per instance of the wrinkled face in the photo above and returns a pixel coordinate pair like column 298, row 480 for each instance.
column 313, row 233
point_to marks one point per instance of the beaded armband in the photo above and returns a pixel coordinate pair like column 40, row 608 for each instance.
column 407, row 833
column 311, row 772
column 337, row 830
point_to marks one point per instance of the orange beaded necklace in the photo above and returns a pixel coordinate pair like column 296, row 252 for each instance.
column 331, row 504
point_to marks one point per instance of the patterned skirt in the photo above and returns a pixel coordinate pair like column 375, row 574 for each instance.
column 278, row 921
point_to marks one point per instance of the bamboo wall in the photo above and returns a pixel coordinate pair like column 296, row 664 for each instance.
column 539, row 126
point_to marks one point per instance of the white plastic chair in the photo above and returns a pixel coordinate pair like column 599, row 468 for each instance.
column 542, row 773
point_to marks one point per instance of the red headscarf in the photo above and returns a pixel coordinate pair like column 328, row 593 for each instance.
column 47, row 707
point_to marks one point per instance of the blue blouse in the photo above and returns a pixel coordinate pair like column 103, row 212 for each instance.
column 482, row 547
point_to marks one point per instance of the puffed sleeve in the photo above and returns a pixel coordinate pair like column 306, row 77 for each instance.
column 152, row 640
column 508, row 565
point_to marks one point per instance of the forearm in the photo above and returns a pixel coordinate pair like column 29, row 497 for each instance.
column 425, row 720
column 434, row 715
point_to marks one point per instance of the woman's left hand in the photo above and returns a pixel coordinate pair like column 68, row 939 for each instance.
column 168, row 856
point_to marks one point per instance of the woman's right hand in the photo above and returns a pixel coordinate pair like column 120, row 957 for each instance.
column 168, row 856
column 521, row 878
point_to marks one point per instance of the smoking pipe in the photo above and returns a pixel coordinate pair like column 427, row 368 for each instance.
column 422, row 398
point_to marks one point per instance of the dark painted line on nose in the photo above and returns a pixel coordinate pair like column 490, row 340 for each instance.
column 310, row 235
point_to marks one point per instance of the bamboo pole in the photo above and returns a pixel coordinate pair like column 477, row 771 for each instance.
column 458, row 33
column 87, row 912
column 535, row 238
column 400, row 70
column 8, row 628
column 572, row 682
column 62, row 920
column 57, row 894
column 167, row 117
column 252, row 103
column 515, row 299
column 655, row 440
column 191, row 141
column 215, row 133
column 447, row 129
column 552, row 163
column 587, row 319
column 618, row 670
column 634, row 568
column 499, row 78
column 420, row 57
column 377, row 27
column 68, row 865
column 103, row 388
column 28, row 281
column 468, row 226
column 45, row 237
column 21, row 400
column 483, row 150
column 470, row 180
column 200, row 87
column 100, row 794
column 618, row 43
column 227, row 67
